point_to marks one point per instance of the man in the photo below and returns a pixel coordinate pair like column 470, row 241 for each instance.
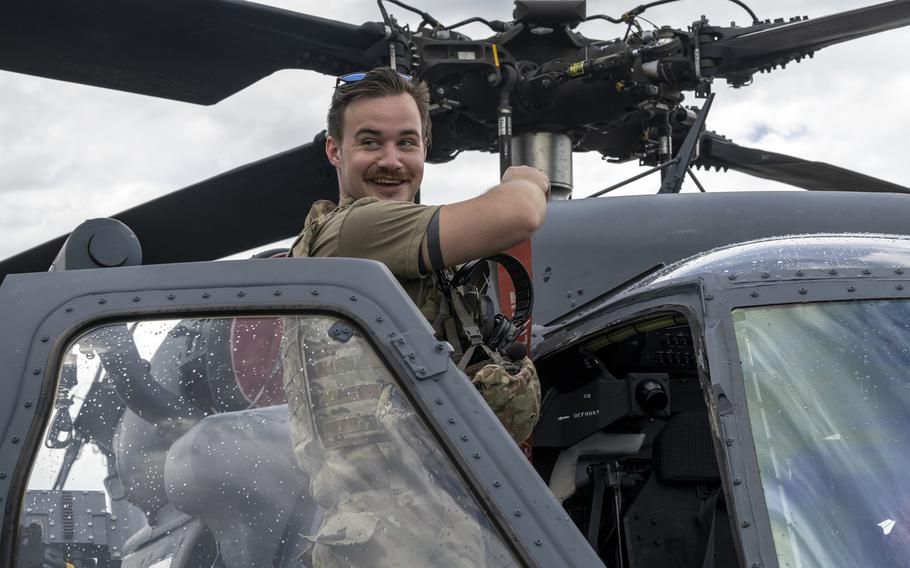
column 378, row 133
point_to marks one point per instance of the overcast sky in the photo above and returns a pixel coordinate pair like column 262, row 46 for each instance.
column 71, row 152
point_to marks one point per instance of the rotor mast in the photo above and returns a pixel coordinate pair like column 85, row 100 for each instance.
column 549, row 152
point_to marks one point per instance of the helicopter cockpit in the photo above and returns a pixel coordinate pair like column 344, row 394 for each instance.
column 743, row 405
column 776, row 369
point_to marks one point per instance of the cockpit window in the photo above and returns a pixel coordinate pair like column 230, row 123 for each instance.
column 255, row 441
column 828, row 394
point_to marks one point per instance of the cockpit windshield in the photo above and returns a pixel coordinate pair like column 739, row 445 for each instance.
column 828, row 393
column 244, row 442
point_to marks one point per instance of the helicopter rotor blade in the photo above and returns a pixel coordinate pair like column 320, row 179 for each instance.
column 742, row 51
column 717, row 152
column 197, row 51
column 250, row 206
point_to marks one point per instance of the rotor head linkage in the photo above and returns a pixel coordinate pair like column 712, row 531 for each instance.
column 550, row 152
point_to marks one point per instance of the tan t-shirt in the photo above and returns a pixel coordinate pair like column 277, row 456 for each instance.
column 390, row 232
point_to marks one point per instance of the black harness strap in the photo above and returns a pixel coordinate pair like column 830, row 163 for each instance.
column 434, row 247
column 498, row 335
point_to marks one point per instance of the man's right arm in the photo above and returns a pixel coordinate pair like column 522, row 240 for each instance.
column 508, row 214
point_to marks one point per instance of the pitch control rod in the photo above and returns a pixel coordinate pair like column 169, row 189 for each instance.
column 677, row 172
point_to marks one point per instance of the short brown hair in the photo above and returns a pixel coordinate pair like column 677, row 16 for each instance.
column 380, row 82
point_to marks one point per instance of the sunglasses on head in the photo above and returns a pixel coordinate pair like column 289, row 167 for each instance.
column 359, row 75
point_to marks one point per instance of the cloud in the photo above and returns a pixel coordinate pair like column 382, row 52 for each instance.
column 759, row 131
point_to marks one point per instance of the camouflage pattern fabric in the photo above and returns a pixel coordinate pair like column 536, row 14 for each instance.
column 315, row 220
column 389, row 494
column 514, row 397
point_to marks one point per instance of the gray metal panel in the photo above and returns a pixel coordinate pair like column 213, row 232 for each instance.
column 590, row 246
column 69, row 517
column 42, row 311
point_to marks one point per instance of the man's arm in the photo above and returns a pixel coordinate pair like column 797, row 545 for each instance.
column 508, row 214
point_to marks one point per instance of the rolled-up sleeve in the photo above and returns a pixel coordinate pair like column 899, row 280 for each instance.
column 388, row 231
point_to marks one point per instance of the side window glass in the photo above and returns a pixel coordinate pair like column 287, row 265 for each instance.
column 255, row 441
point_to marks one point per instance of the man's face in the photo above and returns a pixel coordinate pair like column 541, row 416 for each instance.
column 381, row 152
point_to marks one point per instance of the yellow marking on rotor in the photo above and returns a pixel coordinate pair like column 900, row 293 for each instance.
column 576, row 69
column 495, row 56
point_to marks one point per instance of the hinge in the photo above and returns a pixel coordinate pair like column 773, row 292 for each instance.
column 422, row 353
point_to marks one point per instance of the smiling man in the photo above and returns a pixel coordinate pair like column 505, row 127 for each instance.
column 378, row 134
column 349, row 426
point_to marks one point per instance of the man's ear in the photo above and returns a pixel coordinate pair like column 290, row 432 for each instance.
column 332, row 150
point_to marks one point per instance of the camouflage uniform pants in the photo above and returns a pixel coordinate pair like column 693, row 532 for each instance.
column 513, row 395
column 375, row 469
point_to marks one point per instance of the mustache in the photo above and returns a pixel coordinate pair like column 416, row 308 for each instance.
column 390, row 174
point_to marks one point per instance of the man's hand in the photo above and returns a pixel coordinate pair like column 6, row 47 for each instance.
column 527, row 174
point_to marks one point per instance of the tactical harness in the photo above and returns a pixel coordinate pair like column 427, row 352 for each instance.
column 470, row 322
column 467, row 317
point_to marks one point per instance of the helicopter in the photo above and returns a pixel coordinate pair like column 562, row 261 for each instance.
column 666, row 434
